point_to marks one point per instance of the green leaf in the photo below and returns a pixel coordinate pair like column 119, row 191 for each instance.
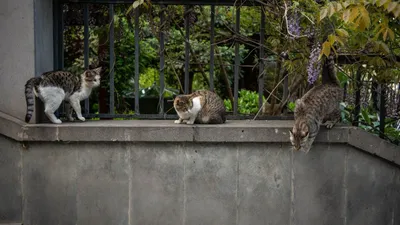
column 354, row 13
column 332, row 39
column 385, row 34
column 332, row 9
column 323, row 13
column 346, row 15
column 364, row 20
column 326, row 48
column 392, row 6
column 342, row 78
column 339, row 7
column 365, row 116
column 396, row 13
column 342, row 32
column 345, row 4
column 384, row 48
column 134, row 5
column 382, row 2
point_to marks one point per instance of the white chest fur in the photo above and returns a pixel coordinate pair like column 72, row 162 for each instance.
column 82, row 94
column 196, row 106
column 190, row 115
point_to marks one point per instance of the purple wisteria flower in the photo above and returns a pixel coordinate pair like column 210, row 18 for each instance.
column 314, row 65
column 294, row 24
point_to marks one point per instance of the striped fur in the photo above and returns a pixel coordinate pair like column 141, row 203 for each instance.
column 56, row 86
column 201, row 106
column 320, row 104
column 30, row 97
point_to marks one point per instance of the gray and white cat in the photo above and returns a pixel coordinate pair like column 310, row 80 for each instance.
column 319, row 105
column 56, row 86
column 201, row 106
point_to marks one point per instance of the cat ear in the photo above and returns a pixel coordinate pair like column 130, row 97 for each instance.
column 97, row 70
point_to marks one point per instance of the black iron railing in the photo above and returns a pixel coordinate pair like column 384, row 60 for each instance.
column 161, row 114
column 59, row 63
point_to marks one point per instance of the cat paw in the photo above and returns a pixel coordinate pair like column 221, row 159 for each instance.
column 329, row 124
column 58, row 121
column 81, row 118
column 305, row 150
column 177, row 121
column 71, row 119
column 190, row 122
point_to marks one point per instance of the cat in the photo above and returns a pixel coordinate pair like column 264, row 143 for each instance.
column 321, row 104
column 55, row 86
column 203, row 106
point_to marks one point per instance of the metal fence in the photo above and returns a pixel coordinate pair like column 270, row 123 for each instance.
column 161, row 114
column 59, row 63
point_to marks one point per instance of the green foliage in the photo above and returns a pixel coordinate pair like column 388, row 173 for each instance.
column 291, row 106
column 370, row 122
column 367, row 26
column 247, row 102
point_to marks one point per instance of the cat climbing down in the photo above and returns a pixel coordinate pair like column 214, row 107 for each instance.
column 55, row 86
column 201, row 106
column 319, row 105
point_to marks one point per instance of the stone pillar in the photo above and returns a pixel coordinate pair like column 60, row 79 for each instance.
column 26, row 50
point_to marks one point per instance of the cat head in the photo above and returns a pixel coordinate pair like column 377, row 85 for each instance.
column 92, row 77
column 299, row 136
column 182, row 103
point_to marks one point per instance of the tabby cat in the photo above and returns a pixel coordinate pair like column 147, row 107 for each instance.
column 55, row 86
column 319, row 105
column 201, row 106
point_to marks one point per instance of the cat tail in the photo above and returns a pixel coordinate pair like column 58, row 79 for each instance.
column 30, row 97
column 330, row 63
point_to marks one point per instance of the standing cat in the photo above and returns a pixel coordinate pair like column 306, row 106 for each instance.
column 320, row 104
column 200, row 107
column 54, row 87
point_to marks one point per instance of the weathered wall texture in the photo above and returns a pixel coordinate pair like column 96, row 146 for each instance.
column 195, row 183
column 24, row 51
column 17, row 59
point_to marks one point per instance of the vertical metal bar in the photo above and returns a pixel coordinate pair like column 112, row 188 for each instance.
column 382, row 111
column 262, row 66
column 86, row 46
column 137, row 52
column 61, row 44
column 162, row 48
column 237, row 63
column 357, row 106
column 285, row 89
column 61, row 50
column 398, row 98
column 344, row 92
column 112, row 57
column 58, row 54
column 212, row 42
column 187, row 49
column 58, row 36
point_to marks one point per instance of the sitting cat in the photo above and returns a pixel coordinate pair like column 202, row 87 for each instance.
column 55, row 86
column 320, row 104
column 200, row 107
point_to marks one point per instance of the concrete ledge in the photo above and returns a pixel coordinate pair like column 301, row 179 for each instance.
column 11, row 127
column 374, row 145
column 238, row 131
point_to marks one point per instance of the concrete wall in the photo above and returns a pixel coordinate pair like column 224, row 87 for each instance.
column 194, row 183
column 26, row 50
